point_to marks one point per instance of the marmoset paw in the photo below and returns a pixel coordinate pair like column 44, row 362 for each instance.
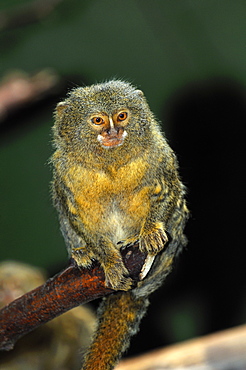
column 128, row 242
column 82, row 259
column 117, row 279
column 153, row 242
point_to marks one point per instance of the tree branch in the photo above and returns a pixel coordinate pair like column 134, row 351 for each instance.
column 18, row 89
column 66, row 290
column 223, row 350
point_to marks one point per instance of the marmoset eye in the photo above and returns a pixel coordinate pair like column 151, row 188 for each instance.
column 122, row 116
column 97, row 120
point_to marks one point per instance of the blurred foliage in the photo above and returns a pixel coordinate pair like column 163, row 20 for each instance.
column 189, row 58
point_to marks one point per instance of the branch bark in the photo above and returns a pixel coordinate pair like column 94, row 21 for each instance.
column 66, row 290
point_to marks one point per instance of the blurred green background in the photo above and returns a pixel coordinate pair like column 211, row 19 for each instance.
column 189, row 58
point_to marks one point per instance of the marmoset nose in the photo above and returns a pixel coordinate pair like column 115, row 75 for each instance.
column 112, row 130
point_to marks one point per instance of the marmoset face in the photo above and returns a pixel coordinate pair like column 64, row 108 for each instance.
column 104, row 116
column 111, row 129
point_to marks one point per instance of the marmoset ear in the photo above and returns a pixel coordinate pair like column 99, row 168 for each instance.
column 139, row 93
column 60, row 108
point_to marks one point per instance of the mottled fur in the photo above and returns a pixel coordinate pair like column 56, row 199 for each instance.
column 109, row 197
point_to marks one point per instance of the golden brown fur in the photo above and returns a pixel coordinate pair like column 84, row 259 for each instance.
column 116, row 183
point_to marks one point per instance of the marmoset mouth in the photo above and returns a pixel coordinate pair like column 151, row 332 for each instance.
column 112, row 140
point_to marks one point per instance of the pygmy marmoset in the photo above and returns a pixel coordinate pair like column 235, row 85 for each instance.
column 116, row 184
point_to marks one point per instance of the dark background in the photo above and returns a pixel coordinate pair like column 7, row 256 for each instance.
column 189, row 58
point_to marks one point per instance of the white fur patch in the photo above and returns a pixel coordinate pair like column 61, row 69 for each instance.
column 146, row 267
column 115, row 227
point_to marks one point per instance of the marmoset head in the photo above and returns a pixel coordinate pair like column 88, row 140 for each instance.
column 105, row 115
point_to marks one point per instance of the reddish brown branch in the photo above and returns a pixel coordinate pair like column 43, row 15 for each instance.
column 18, row 90
column 64, row 291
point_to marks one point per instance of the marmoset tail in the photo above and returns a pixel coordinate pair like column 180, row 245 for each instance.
column 116, row 184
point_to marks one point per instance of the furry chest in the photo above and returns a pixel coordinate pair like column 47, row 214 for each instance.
column 115, row 205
